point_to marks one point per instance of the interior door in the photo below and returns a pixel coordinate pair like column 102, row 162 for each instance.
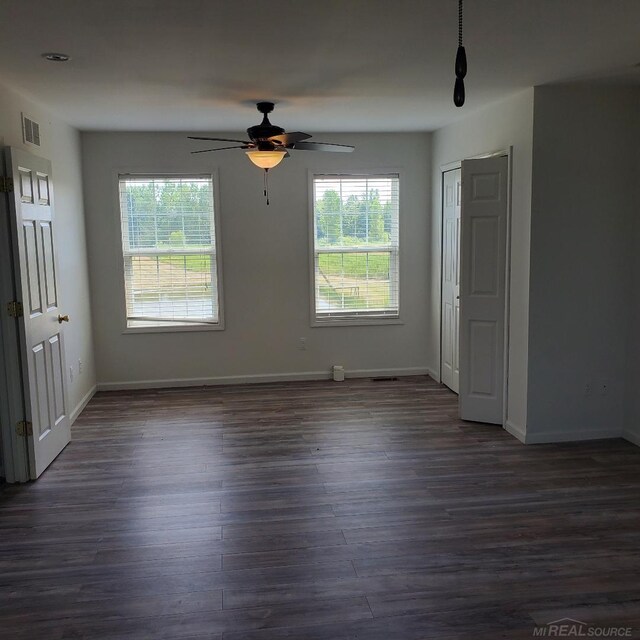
column 482, row 290
column 41, row 325
column 451, row 200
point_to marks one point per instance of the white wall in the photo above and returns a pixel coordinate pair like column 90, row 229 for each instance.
column 265, row 253
column 61, row 145
column 584, row 207
column 499, row 126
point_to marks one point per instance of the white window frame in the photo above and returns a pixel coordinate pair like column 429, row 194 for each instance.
column 352, row 318
column 217, row 254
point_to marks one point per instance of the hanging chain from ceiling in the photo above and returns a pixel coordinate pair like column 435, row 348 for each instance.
column 461, row 64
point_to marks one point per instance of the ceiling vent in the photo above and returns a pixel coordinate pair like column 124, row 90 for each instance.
column 30, row 131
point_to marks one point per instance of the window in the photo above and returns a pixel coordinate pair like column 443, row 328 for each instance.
column 169, row 250
column 355, row 247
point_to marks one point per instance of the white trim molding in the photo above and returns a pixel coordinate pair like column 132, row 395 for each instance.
column 73, row 416
column 258, row 378
column 377, row 373
column 573, row 435
column 433, row 374
column 516, row 430
column 632, row 436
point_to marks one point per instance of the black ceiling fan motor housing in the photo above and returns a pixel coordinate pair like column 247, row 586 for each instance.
column 265, row 129
column 265, row 107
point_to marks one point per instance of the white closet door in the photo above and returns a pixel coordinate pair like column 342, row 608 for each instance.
column 482, row 288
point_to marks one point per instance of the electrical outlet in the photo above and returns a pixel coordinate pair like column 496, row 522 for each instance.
column 80, row 366
column 587, row 389
column 71, row 373
column 604, row 390
column 302, row 345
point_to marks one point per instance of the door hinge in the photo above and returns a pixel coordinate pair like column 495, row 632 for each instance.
column 15, row 309
column 24, row 428
column 6, row 184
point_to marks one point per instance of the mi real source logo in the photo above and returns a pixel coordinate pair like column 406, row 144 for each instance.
column 570, row 628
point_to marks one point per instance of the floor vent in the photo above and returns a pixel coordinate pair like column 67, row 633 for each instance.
column 384, row 379
column 30, row 131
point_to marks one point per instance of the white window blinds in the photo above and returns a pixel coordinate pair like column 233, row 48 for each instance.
column 356, row 246
column 169, row 250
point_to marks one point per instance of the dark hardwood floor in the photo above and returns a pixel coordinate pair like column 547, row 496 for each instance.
column 316, row 511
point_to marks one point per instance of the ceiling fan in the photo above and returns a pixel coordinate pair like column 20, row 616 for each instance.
column 268, row 144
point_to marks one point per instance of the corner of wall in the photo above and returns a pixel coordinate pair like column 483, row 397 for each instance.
column 581, row 291
column 503, row 125
column 61, row 145
column 632, row 377
column 517, row 431
column 632, row 436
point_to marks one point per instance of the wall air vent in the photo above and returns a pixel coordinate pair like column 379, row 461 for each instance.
column 30, row 131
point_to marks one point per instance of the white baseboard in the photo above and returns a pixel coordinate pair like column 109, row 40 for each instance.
column 82, row 404
column 433, row 373
column 573, row 435
column 377, row 373
column 212, row 381
column 256, row 378
column 632, row 436
column 516, row 430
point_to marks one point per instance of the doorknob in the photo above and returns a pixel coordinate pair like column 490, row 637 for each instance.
column 62, row 319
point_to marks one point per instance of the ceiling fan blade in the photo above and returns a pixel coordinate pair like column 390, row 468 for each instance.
column 289, row 138
column 320, row 146
column 244, row 146
column 218, row 139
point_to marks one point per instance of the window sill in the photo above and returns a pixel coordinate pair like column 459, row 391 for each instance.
column 355, row 322
column 176, row 328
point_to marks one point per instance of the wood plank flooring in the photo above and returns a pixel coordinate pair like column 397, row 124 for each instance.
column 316, row 511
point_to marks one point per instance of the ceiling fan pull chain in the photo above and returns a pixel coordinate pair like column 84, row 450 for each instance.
column 266, row 185
column 461, row 64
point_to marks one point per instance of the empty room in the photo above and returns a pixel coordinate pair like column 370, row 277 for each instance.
column 319, row 319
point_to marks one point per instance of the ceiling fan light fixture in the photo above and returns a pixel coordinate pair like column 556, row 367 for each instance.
column 266, row 159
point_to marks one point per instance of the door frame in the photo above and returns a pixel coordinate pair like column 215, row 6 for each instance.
column 14, row 447
column 457, row 164
column 445, row 169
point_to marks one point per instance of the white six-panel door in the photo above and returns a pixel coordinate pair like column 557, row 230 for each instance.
column 41, row 332
column 451, row 199
column 482, row 288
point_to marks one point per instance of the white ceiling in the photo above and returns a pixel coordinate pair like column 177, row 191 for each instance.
column 332, row 65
